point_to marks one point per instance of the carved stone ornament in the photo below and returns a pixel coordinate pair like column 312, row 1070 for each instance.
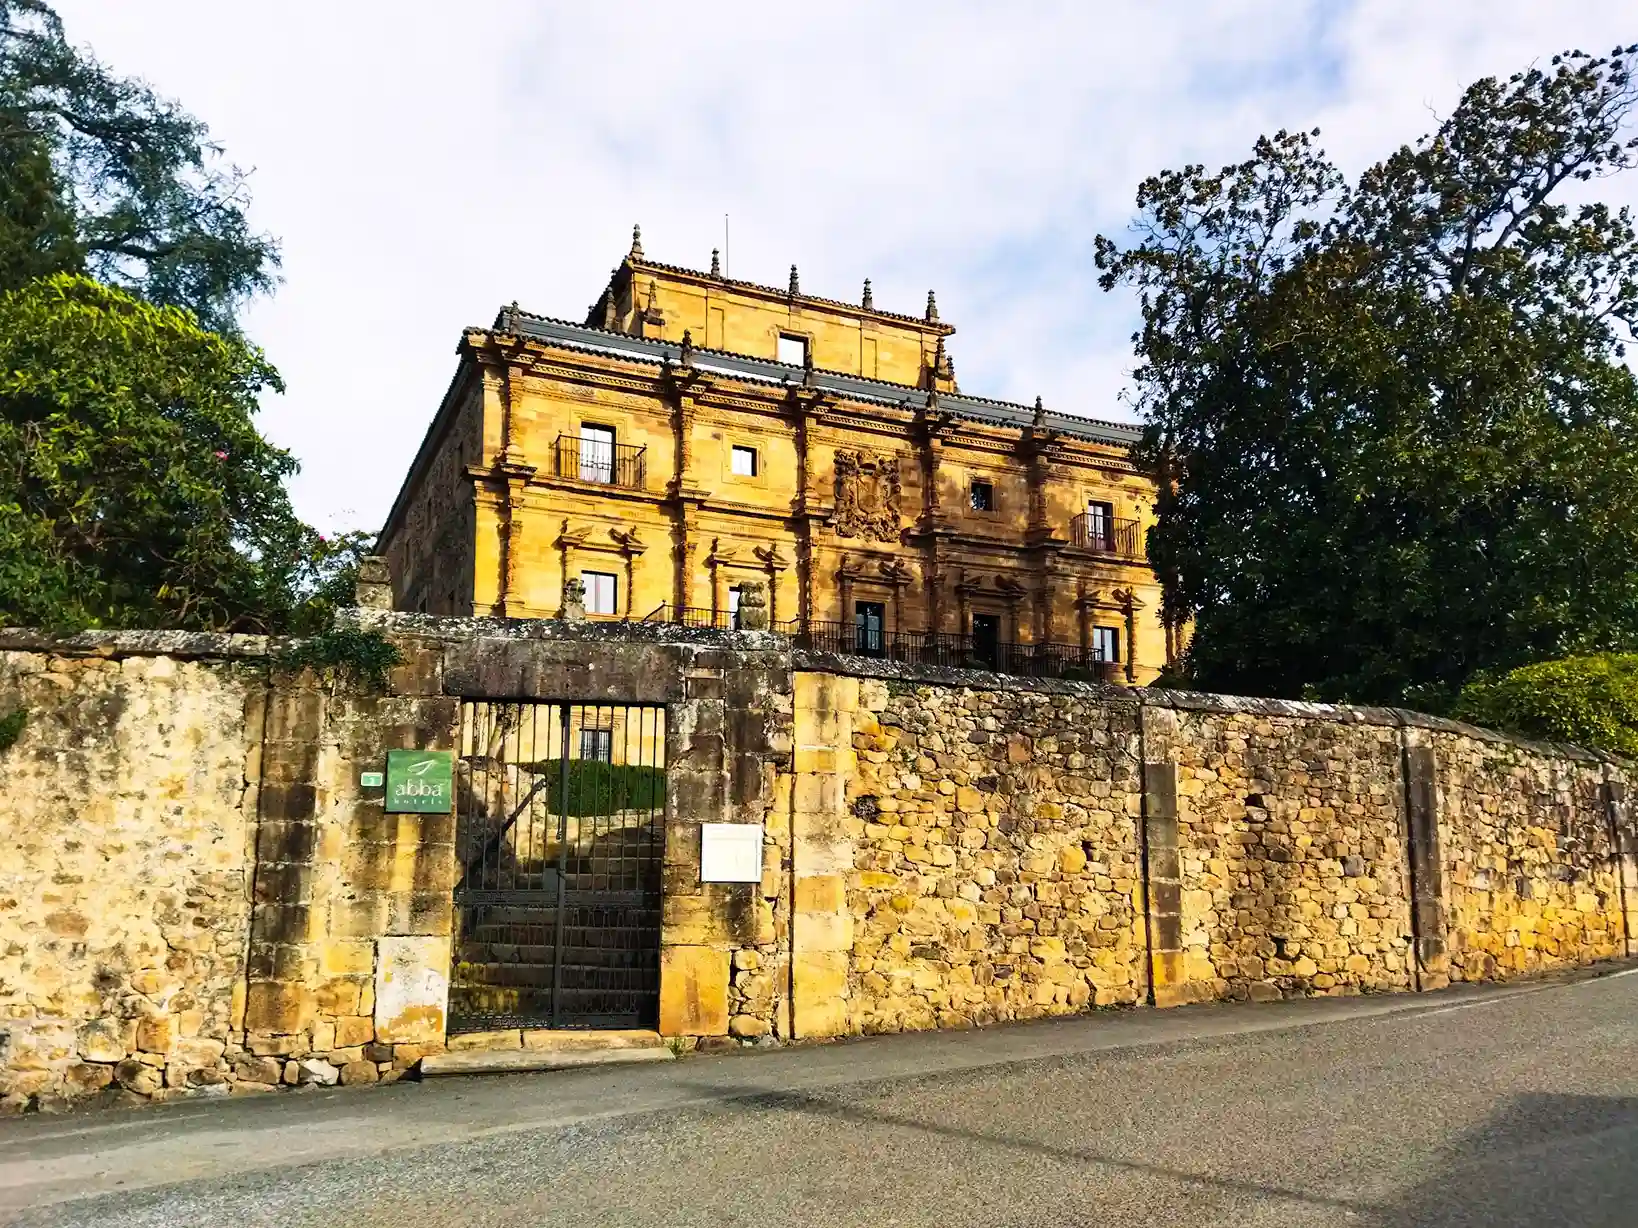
column 753, row 606
column 867, row 496
column 574, row 600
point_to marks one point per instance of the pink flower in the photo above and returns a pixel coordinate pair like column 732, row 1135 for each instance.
column 221, row 456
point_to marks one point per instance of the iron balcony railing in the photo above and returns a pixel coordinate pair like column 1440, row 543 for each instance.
column 936, row 648
column 609, row 464
column 694, row 616
column 952, row 651
column 1107, row 534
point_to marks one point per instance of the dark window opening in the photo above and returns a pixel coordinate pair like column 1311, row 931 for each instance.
column 983, row 497
column 597, row 744
column 987, row 638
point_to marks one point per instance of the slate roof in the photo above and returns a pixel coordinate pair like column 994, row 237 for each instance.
column 763, row 370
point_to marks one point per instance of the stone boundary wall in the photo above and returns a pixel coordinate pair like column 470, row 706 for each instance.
column 198, row 898
column 1282, row 849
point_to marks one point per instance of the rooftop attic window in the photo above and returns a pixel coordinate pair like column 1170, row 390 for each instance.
column 793, row 351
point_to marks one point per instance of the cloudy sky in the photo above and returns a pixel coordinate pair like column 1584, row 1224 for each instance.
column 424, row 162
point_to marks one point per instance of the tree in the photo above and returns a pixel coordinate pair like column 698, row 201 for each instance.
column 1396, row 439
column 134, row 489
column 1589, row 701
column 99, row 175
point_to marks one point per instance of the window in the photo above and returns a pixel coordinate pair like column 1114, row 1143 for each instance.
column 596, row 453
column 1105, row 643
column 600, row 592
column 869, row 625
column 1100, row 525
column 983, row 496
column 793, row 350
column 744, row 461
column 733, row 608
column 597, row 744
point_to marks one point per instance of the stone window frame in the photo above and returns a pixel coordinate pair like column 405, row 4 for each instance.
column 805, row 340
column 613, row 588
column 988, row 483
column 1100, row 633
column 756, row 476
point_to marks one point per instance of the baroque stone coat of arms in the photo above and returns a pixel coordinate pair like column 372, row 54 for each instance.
column 867, row 496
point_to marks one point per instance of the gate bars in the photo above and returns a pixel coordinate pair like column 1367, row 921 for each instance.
column 560, row 838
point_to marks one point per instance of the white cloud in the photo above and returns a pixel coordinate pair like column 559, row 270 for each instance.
column 425, row 163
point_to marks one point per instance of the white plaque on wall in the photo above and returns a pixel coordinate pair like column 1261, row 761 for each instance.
column 730, row 852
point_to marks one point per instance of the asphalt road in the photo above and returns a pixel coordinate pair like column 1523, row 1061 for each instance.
column 1494, row 1108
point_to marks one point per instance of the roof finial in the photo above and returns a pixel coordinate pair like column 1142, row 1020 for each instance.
column 932, row 308
column 869, row 302
column 796, row 286
column 636, row 252
column 716, row 263
column 686, row 357
column 1040, row 413
column 512, row 317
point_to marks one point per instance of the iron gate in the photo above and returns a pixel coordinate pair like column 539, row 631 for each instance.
column 560, row 838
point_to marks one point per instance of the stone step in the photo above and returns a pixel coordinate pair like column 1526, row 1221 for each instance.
column 513, row 1061
column 563, row 1040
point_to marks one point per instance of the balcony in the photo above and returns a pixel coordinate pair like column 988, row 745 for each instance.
column 1107, row 535
column 607, row 464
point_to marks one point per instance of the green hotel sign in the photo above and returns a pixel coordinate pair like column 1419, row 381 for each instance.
column 420, row 781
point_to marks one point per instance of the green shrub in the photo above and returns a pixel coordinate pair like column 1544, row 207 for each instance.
column 1591, row 701
column 362, row 657
column 596, row 787
column 11, row 727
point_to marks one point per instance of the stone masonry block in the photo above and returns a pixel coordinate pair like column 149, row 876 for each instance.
column 821, row 893
column 820, row 983
column 693, row 991
column 411, row 989
column 273, row 1006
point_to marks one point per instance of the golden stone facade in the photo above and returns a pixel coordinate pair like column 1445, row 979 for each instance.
column 698, row 436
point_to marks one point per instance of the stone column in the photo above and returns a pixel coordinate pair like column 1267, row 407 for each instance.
column 1624, row 846
column 1421, row 775
column 373, row 588
column 1163, row 887
column 517, row 481
column 825, row 708
column 285, row 928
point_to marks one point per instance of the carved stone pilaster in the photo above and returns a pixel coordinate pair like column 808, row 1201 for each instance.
column 516, row 478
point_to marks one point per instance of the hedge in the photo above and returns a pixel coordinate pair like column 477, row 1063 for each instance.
column 1591, row 701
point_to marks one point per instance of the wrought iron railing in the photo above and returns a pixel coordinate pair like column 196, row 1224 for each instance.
column 608, row 464
column 693, row 616
column 937, row 648
column 952, row 651
column 1090, row 531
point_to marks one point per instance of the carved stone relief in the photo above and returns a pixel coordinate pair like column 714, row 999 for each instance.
column 867, row 496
